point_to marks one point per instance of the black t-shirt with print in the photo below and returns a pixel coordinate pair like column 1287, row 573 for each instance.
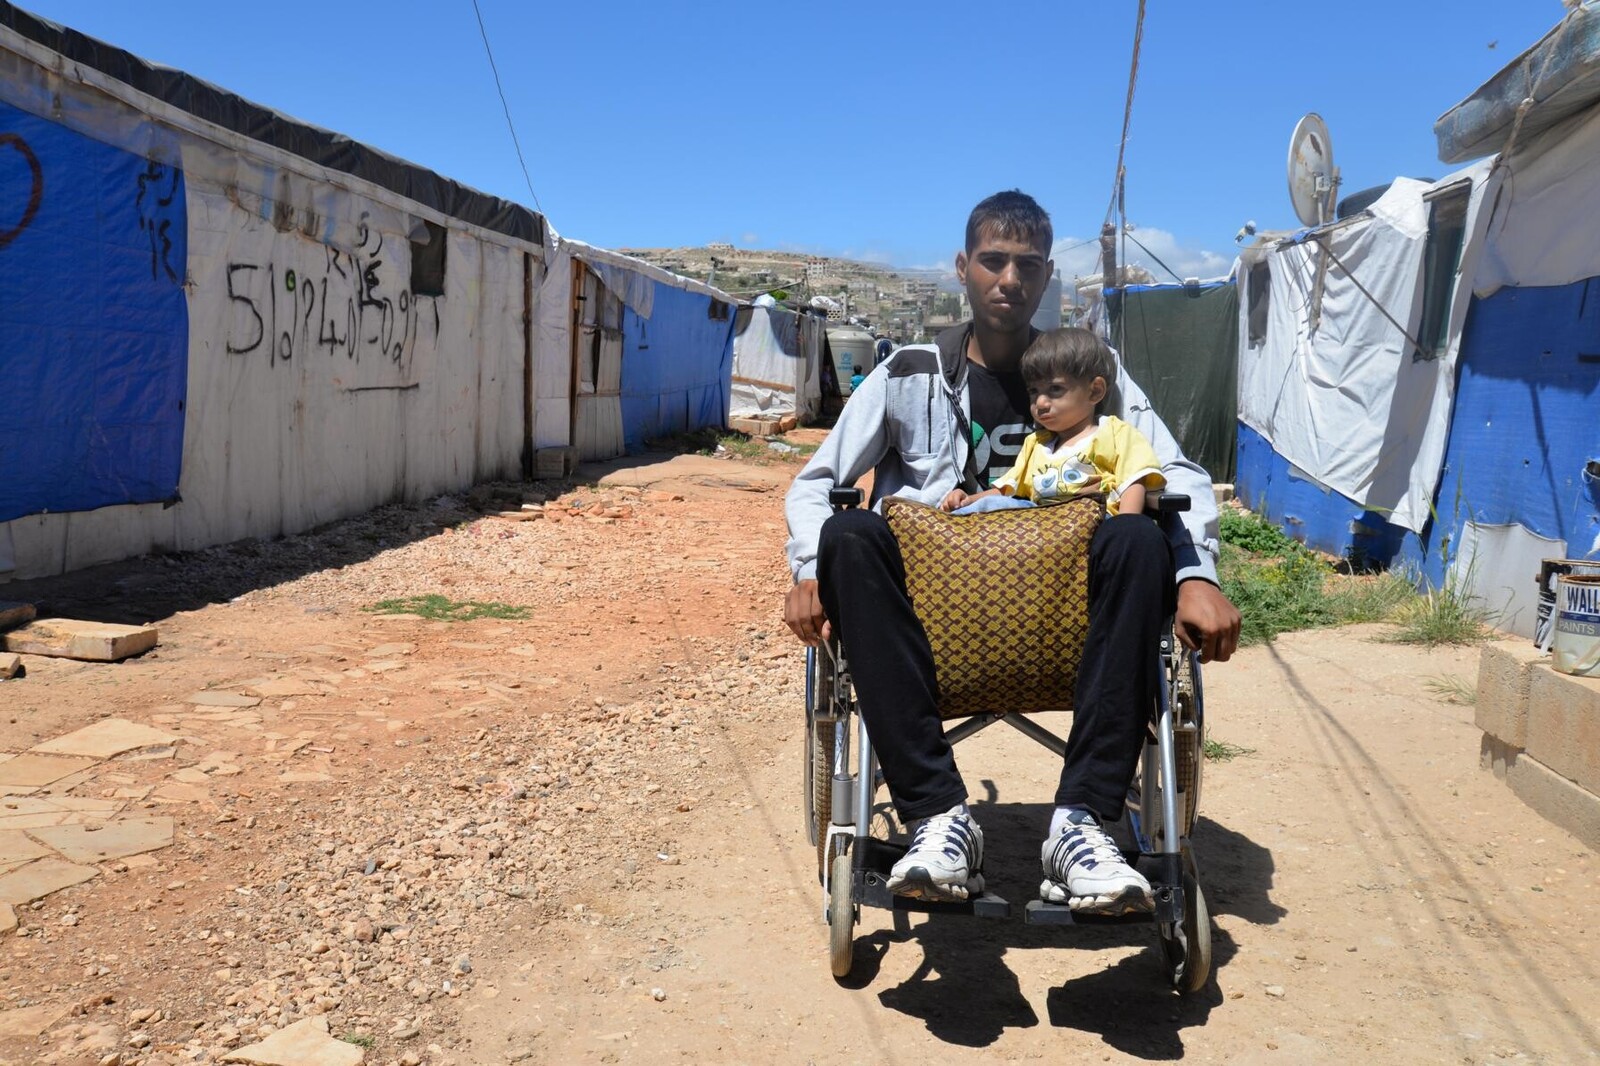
column 1001, row 420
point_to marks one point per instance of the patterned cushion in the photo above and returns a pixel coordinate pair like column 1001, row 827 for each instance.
column 1004, row 597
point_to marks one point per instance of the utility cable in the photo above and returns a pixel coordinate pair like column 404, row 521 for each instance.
column 1327, row 246
column 1154, row 256
column 507, row 107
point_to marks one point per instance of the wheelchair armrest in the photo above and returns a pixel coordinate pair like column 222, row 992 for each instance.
column 845, row 498
column 1159, row 502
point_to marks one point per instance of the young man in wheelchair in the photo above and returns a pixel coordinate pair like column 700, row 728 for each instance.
column 934, row 418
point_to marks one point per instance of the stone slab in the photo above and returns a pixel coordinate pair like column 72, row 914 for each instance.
column 109, row 840
column 39, row 879
column 16, row 848
column 1553, row 797
column 106, row 738
column 1501, row 709
column 32, row 770
column 305, row 1043
column 14, row 614
column 389, row 651
column 280, row 687
column 217, row 698
column 31, row 1021
column 1563, row 725
column 67, row 638
column 10, row 665
column 8, row 919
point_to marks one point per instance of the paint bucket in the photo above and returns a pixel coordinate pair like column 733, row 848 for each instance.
column 1575, row 648
column 1549, row 571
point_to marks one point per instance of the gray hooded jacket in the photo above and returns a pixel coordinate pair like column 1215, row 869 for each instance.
column 905, row 423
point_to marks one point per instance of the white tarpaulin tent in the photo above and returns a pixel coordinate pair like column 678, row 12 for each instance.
column 777, row 362
column 1336, row 386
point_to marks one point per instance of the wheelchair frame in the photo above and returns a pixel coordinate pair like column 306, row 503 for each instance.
column 854, row 865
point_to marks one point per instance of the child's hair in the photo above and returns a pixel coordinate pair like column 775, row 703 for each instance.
column 1069, row 352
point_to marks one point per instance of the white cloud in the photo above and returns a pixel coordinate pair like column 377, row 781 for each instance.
column 748, row 239
column 1080, row 256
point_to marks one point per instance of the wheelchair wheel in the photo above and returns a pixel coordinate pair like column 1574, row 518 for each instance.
column 1188, row 734
column 819, row 788
column 1186, row 946
column 841, row 917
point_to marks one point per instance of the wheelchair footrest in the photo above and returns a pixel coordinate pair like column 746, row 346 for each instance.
column 875, row 893
column 1169, row 908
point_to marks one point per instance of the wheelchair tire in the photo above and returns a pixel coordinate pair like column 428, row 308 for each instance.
column 841, row 918
column 819, row 788
column 1187, row 950
column 1190, row 743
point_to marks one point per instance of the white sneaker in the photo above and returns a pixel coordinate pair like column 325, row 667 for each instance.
column 944, row 859
column 1084, row 869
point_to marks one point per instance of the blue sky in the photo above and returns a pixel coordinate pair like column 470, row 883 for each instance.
column 854, row 128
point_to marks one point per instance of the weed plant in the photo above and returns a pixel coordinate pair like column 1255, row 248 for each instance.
column 443, row 609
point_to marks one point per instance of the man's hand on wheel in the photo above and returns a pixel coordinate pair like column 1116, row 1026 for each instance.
column 1207, row 621
column 802, row 613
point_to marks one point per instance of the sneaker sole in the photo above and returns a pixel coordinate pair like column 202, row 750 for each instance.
column 1130, row 900
column 918, row 883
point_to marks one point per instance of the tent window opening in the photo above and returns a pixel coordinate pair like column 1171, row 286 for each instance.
column 1260, row 284
column 1441, row 259
column 718, row 311
column 427, row 262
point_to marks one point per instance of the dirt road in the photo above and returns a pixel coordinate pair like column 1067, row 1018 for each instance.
column 576, row 836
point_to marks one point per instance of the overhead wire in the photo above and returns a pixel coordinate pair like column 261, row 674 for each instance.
column 517, row 144
column 1152, row 255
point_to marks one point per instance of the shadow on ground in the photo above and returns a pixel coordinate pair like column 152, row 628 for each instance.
column 150, row 588
column 966, row 995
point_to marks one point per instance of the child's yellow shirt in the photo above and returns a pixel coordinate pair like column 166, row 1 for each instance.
column 1116, row 451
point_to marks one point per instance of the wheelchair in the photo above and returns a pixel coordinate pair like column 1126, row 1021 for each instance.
column 855, row 851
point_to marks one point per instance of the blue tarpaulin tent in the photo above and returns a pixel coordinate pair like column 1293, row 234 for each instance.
column 676, row 365
column 95, row 360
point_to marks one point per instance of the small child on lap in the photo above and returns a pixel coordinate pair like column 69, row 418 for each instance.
column 1074, row 450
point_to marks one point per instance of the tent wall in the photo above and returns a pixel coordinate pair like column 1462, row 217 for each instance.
column 316, row 384
column 1180, row 343
column 675, row 365
column 777, row 357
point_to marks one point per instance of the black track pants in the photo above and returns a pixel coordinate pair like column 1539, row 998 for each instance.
column 862, row 583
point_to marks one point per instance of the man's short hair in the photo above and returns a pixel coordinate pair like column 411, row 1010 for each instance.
column 1014, row 215
column 1069, row 352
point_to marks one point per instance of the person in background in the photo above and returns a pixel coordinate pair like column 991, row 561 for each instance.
column 856, row 378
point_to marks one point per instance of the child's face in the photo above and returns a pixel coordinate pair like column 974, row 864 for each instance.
column 1064, row 405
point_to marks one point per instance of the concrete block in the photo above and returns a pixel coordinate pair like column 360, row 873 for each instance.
column 1558, row 800
column 1564, row 725
column 1504, row 667
column 549, row 463
column 1224, row 492
column 755, row 427
column 70, row 639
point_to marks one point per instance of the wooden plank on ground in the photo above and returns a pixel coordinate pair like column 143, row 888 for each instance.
column 67, row 638
column 14, row 614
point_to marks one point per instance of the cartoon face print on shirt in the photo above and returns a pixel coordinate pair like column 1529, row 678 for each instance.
column 1061, row 480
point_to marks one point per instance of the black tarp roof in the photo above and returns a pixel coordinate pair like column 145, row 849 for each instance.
column 323, row 147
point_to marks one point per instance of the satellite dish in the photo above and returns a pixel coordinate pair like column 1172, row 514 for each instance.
column 1313, row 179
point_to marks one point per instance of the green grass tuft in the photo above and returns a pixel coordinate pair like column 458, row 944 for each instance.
column 443, row 609
column 1447, row 615
column 1222, row 751
column 365, row 1040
